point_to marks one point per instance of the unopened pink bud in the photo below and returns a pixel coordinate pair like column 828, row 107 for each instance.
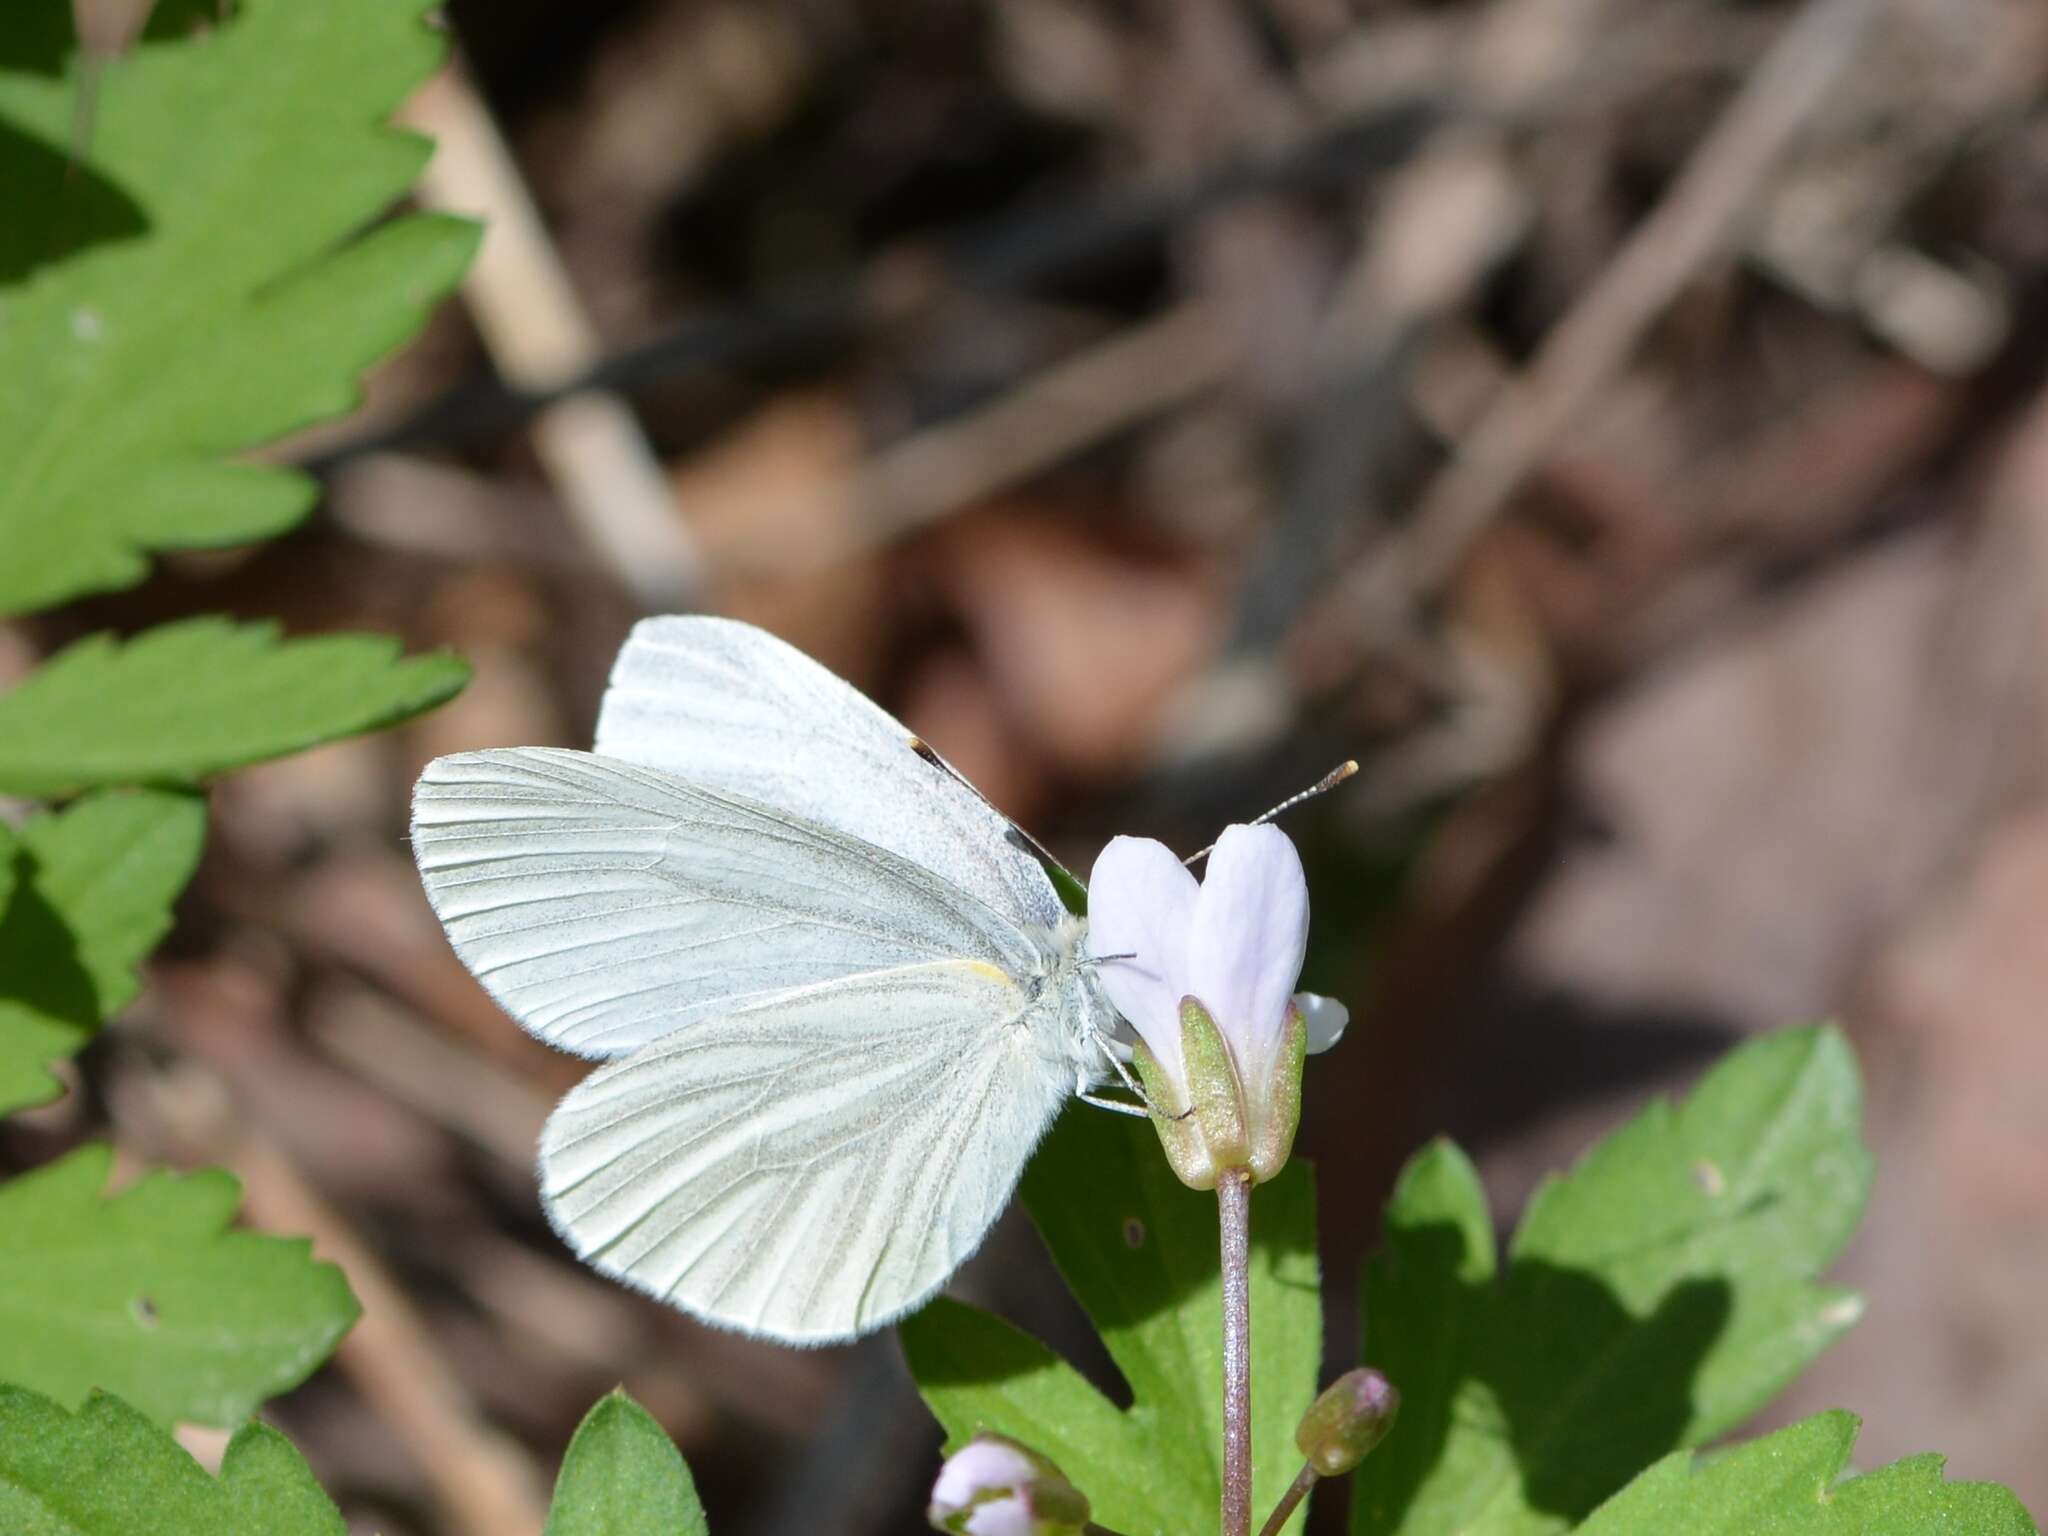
column 992, row 1486
column 1342, row 1426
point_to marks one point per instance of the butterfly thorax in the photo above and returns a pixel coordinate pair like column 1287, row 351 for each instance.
column 1071, row 990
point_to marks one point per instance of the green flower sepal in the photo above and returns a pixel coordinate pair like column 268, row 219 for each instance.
column 1221, row 1120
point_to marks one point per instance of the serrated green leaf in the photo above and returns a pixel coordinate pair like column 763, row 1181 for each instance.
column 148, row 1294
column 1788, row 1484
column 1652, row 1299
column 623, row 1477
column 107, row 1471
column 1139, row 1251
column 271, row 1490
column 201, row 696
column 216, row 291
column 85, row 893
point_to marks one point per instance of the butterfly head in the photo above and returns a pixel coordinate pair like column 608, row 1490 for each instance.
column 1092, row 1019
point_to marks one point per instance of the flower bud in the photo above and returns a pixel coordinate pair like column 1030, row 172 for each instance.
column 1343, row 1425
column 992, row 1486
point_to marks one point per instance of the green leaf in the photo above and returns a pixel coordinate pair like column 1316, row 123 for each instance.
column 270, row 1489
column 219, row 289
column 976, row 1372
column 1787, row 1484
column 85, row 893
column 1139, row 1250
column 622, row 1477
column 186, row 700
column 1652, row 1299
column 148, row 1294
column 1072, row 893
column 107, row 1471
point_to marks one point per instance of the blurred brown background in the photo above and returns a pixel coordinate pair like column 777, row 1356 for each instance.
column 1620, row 424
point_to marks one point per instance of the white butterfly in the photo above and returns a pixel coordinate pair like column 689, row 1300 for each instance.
column 839, row 999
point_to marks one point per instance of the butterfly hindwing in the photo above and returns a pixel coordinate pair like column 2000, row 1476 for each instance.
column 810, row 1167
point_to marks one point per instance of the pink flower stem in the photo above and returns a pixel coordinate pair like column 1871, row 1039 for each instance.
column 1297, row 1490
column 1234, row 1212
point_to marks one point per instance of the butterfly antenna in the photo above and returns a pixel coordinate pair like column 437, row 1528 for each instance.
column 1322, row 786
column 1130, row 954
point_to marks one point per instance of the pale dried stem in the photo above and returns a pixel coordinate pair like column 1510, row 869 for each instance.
column 540, row 337
column 1700, row 217
column 1105, row 388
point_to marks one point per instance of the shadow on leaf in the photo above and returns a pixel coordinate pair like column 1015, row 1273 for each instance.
column 1528, row 1390
column 55, row 208
column 1553, row 1386
column 40, row 969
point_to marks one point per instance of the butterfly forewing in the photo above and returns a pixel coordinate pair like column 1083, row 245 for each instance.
column 606, row 905
column 729, row 706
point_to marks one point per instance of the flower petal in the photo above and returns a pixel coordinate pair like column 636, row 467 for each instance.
column 975, row 1469
column 1141, row 900
column 1246, row 943
column 1325, row 1017
column 1001, row 1517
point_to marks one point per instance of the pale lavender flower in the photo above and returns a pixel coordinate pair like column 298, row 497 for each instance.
column 1233, row 943
column 993, row 1486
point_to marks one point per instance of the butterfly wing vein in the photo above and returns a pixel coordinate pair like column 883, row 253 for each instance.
column 812, row 1166
column 727, row 705
column 605, row 905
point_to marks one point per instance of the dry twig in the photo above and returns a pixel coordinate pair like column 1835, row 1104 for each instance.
column 1698, row 219
column 1108, row 388
column 539, row 337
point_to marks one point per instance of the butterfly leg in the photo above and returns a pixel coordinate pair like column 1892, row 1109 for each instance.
column 1116, row 1063
column 1116, row 1104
